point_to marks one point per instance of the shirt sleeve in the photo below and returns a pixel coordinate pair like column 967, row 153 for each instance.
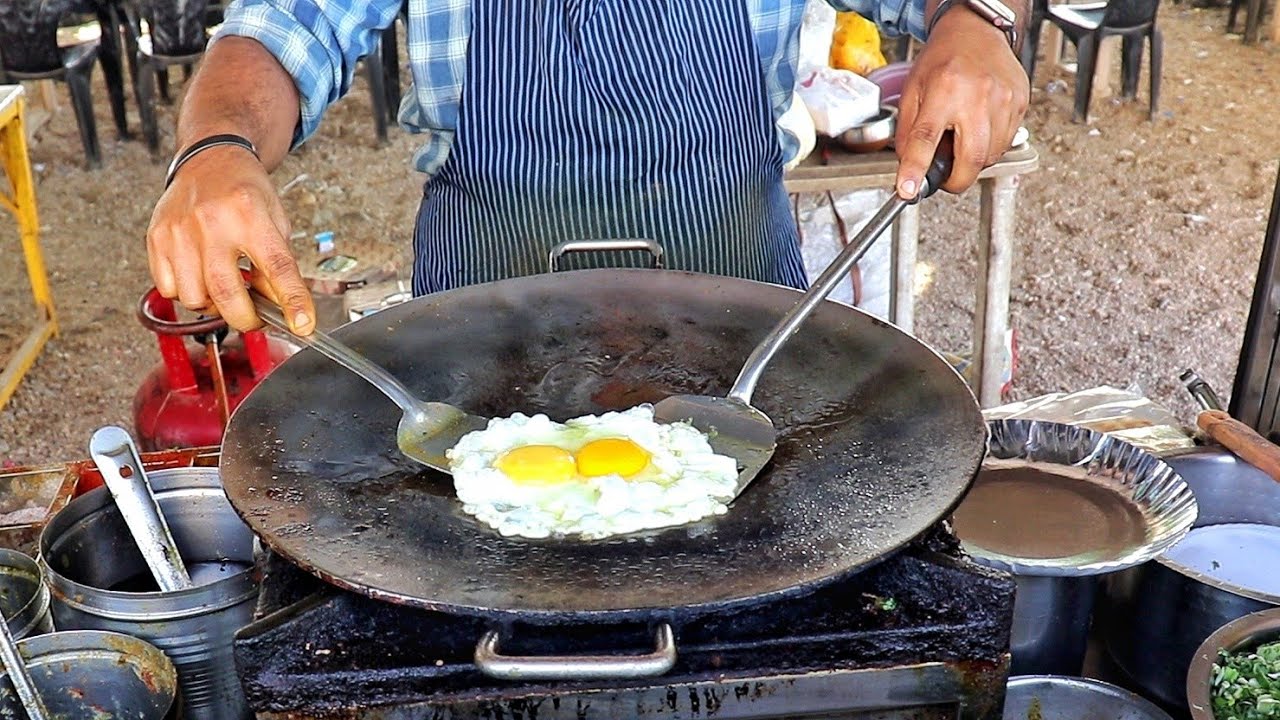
column 894, row 17
column 318, row 42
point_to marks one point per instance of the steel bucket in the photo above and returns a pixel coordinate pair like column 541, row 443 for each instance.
column 1155, row 616
column 1051, row 620
column 88, row 674
column 24, row 599
column 92, row 565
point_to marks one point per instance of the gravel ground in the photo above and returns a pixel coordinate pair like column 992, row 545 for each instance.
column 1138, row 243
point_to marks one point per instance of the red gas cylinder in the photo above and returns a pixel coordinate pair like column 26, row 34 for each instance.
column 186, row 400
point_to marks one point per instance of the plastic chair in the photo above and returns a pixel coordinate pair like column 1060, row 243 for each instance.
column 177, row 35
column 29, row 37
column 1086, row 26
column 382, row 68
column 110, row 17
column 1251, row 23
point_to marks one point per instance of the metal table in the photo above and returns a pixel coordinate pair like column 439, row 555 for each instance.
column 21, row 201
column 842, row 171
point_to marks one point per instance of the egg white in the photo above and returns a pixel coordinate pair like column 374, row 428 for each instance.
column 685, row 480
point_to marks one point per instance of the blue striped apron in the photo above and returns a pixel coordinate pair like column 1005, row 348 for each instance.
column 609, row 119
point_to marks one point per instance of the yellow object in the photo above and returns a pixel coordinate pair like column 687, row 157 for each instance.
column 21, row 201
column 612, row 456
column 537, row 465
column 855, row 44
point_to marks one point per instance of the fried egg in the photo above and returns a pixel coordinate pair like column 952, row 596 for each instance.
column 592, row 476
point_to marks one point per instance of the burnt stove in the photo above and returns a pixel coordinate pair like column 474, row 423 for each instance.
column 923, row 634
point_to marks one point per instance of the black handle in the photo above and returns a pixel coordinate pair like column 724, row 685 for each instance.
column 939, row 170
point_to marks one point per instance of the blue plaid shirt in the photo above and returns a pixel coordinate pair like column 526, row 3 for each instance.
column 319, row 43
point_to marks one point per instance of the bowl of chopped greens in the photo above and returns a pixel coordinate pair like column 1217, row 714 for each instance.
column 1235, row 675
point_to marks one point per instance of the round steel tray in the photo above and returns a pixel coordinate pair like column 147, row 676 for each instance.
column 1156, row 508
column 1055, row 697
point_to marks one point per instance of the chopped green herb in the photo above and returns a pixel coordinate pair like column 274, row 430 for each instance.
column 1246, row 685
column 883, row 604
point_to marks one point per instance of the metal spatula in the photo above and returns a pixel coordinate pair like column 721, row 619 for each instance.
column 426, row 430
column 20, row 677
column 736, row 428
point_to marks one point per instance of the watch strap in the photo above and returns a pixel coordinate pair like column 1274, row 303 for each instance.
column 203, row 144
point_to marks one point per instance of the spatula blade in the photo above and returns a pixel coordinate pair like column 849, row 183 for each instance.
column 432, row 429
column 734, row 429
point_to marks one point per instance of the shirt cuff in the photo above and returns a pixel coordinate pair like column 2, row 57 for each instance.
column 893, row 17
column 298, row 51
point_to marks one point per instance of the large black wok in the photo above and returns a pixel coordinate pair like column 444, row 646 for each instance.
column 878, row 439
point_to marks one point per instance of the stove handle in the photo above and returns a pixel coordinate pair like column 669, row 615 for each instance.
column 577, row 667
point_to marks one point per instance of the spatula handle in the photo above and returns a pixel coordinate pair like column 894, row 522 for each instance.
column 339, row 352
column 1241, row 440
column 835, row 273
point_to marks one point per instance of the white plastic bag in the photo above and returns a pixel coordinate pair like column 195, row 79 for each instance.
column 816, row 31
column 799, row 123
column 838, row 99
column 820, row 243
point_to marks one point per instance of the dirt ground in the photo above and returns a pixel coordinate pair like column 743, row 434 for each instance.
column 1138, row 243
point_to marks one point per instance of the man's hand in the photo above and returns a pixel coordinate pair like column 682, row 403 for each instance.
column 965, row 79
column 220, row 208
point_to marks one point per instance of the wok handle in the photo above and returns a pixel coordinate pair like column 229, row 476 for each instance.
column 338, row 352
column 1241, row 440
column 578, row 246
column 577, row 667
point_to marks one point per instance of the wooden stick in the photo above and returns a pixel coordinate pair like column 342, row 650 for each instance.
column 1241, row 440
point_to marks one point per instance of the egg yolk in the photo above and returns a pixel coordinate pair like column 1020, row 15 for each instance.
column 612, row 456
column 536, row 465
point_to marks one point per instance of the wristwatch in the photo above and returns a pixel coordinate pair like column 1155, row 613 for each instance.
column 993, row 11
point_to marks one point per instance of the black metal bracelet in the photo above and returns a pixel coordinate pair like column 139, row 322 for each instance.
column 938, row 12
column 201, row 145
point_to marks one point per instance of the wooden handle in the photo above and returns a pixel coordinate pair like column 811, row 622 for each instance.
column 1241, row 440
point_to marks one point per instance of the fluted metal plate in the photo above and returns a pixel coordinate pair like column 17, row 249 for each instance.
column 1109, row 504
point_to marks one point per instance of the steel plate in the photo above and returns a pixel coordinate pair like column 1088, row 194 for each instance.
column 879, row 439
column 1055, row 697
column 1060, row 500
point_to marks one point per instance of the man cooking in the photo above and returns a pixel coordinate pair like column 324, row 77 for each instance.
column 552, row 120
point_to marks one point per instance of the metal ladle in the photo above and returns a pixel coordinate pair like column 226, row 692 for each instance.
column 21, row 679
column 116, row 456
column 117, row 459
column 426, row 430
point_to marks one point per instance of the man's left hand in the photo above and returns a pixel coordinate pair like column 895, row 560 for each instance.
column 965, row 79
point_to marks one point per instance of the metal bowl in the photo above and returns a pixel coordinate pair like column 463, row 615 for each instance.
column 1243, row 633
column 85, row 674
column 872, row 135
column 1055, row 697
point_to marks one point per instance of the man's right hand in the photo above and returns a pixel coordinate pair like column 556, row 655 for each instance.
column 220, row 208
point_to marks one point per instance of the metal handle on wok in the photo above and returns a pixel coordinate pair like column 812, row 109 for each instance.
column 577, row 667
column 579, row 246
